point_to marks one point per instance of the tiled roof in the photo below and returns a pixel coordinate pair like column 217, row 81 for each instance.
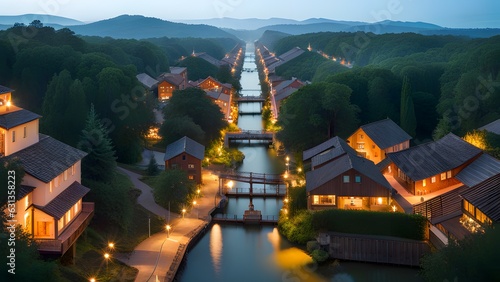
column 23, row 191
column 284, row 94
column 309, row 153
column 177, row 70
column 486, row 197
column 208, row 58
column 185, row 144
column 4, row 89
column 146, row 80
column 385, row 133
column 15, row 118
column 479, row 170
column 65, row 200
column 329, row 171
column 433, row 158
column 339, row 148
column 492, row 127
column 48, row 158
column 175, row 79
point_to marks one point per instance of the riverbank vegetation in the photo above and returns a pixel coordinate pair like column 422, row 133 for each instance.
column 474, row 258
column 453, row 81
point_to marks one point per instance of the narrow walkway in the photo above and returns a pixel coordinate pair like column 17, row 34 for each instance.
column 154, row 256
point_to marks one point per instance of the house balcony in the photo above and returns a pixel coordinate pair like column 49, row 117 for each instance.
column 69, row 236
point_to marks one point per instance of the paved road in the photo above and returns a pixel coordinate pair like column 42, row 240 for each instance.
column 154, row 256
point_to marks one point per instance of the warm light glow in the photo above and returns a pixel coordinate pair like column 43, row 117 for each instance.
column 168, row 227
column 198, row 191
column 230, row 184
column 216, row 246
column 8, row 104
column 299, row 169
column 106, row 256
column 286, row 200
column 183, row 210
column 292, row 258
column 394, row 208
column 194, row 203
column 287, row 159
column 285, row 176
column 379, row 200
column 111, row 245
column 92, row 279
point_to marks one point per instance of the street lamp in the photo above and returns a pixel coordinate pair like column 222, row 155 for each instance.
column 92, row 279
column 198, row 192
column 183, row 212
column 111, row 245
column 287, row 163
column 197, row 211
column 168, row 227
column 106, row 257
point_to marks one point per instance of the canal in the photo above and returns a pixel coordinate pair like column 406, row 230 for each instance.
column 259, row 253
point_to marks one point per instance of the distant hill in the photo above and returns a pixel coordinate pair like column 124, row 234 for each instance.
column 140, row 27
column 45, row 19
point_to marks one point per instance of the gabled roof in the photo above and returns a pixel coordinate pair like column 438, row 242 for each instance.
column 15, row 118
column 4, row 89
column 147, row 80
column 309, row 153
column 65, row 200
column 479, row 170
column 486, row 197
column 339, row 148
column 177, row 70
column 208, row 58
column 187, row 145
column 331, row 170
column 433, row 158
column 492, row 127
column 291, row 54
column 385, row 133
column 175, row 79
column 23, row 191
column 285, row 93
column 47, row 158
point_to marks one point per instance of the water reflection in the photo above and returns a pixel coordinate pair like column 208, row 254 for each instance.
column 216, row 247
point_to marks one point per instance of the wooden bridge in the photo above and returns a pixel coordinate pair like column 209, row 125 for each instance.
column 256, row 192
column 233, row 218
column 248, row 135
column 249, row 99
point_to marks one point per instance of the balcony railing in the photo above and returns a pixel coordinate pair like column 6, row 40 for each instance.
column 69, row 236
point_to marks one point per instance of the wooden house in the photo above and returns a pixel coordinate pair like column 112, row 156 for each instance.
column 185, row 154
column 341, row 179
column 49, row 203
column 432, row 166
column 375, row 140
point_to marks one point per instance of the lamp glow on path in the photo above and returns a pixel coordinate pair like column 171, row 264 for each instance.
column 168, row 227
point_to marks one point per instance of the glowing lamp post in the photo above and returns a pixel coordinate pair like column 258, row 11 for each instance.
column 183, row 212
column 197, row 211
column 168, row 227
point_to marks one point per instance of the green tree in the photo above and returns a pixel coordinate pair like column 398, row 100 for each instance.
column 64, row 109
column 315, row 113
column 473, row 258
column 172, row 188
column 195, row 104
column 175, row 128
column 152, row 168
column 408, row 120
column 100, row 163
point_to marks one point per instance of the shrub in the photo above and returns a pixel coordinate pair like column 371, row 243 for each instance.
column 319, row 255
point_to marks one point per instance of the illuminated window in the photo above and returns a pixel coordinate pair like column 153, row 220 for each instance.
column 60, row 223
column 65, row 175
column 73, row 170
column 448, row 174
column 469, row 207
column 191, row 177
column 433, row 179
column 424, row 182
column 357, row 179
column 190, row 165
column 324, row 200
column 51, row 184
column 443, row 176
column 346, row 178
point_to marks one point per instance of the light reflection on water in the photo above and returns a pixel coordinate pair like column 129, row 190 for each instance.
column 216, row 245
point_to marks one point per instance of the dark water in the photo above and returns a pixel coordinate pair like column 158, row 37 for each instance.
column 258, row 253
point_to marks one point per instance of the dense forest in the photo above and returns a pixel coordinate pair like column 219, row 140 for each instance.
column 58, row 74
column 452, row 82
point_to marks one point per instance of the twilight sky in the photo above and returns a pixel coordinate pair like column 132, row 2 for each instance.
column 448, row 13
